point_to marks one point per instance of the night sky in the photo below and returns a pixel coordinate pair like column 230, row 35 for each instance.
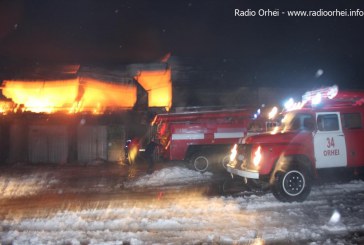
column 262, row 50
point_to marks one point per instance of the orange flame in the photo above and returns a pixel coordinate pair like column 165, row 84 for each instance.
column 40, row 96
column 97, row 96
column 70, row 96
column 158, row 84
column 6, row 106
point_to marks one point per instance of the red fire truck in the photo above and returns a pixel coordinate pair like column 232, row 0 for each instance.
column 324, row 131
column 201, row 138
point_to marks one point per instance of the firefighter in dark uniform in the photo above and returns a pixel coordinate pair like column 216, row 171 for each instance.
column 149, row 155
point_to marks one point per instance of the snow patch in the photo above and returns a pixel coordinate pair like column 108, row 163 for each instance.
column 17, row 186
column 169, row 176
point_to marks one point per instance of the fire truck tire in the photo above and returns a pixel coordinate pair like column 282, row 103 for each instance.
column 200, row 162
column 293, row 185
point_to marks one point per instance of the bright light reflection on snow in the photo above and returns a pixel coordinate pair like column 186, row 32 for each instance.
column 335, row 217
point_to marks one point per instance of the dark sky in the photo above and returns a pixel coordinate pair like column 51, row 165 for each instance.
column 269, row 50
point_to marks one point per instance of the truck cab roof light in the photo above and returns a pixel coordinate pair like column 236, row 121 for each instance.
column 316, row 99
column 289, row 103
column 273, row 113
column 325, row 93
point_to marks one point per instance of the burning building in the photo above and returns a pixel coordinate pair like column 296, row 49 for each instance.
column 80, row 114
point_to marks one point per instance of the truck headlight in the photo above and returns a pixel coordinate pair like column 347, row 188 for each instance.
column 240, row 157
column 233, row 153
column 257, row 156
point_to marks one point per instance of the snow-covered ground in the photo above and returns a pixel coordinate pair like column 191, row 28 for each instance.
column 333, row 214
column 169, row 176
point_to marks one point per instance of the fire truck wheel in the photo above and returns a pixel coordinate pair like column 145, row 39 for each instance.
column 200, row 162
column 294, row 185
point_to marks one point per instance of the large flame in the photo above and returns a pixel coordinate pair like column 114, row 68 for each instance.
column 41, row 96
column 85, row 94
column 99, row 96
column 89, row 95
column 158, row 85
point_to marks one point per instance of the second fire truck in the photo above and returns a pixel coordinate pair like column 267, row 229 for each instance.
column 201, row 138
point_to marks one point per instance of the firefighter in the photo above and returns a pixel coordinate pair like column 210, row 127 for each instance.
column 131, row 150
column 149, row 155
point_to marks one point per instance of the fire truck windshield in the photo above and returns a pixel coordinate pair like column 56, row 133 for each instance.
column 294, row 121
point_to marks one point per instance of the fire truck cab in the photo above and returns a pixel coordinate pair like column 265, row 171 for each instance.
column 324, row 131
column 201, row 138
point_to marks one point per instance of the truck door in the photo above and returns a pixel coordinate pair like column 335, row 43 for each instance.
column 354, row 135
column 329, row 141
